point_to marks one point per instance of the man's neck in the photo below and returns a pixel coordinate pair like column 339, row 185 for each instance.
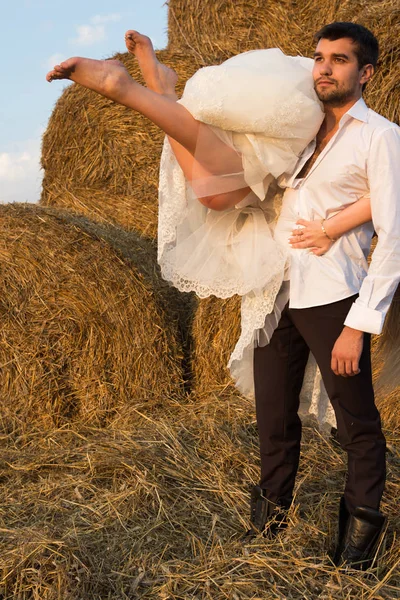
column 333, row 114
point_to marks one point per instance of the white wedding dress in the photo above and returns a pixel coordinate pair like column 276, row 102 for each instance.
column 262, row 104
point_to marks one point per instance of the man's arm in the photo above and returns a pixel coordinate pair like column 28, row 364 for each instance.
column 312, row 235
column 368, row 312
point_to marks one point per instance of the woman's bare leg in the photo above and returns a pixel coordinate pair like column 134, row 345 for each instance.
column 111, row 79
column 163, row 79
column 158, row 77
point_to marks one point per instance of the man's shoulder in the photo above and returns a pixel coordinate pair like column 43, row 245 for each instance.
column 379, row 122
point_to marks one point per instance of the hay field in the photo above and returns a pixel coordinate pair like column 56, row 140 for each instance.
column 125, row 495
column 157, row 511
column 135, row 496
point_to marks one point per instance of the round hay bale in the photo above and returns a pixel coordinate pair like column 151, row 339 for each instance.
column 101, row 159
column 212, row 30
column 388, row 406
column 216, row 329
column 387, row 366
column 221, row 28
column 86, row 335
column 383, row 18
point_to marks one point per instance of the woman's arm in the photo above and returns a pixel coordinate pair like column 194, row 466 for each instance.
column 311, row 233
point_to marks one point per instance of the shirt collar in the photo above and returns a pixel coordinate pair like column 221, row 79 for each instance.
column 358, row 111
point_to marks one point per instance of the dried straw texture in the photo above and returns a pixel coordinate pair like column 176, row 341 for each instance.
column 216, row 329
column 387, row 401
column 157, row 513
column 212, row 30
column 217, row 29
column 388, row 374
column 86, row 336
column 101, row 159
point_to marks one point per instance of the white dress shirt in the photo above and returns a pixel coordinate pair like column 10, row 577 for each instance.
column 362, row 158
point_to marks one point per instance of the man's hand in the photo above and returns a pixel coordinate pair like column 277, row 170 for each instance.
column 347, row 351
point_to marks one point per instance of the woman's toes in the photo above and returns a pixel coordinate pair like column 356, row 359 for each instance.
column 136, row 38
column 65, row 66
column 61, row 71
column 130, row 36
column 54, row 75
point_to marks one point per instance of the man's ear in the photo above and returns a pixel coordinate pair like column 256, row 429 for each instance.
column 366, row 73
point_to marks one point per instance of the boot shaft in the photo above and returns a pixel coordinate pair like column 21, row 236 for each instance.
column 359, row 535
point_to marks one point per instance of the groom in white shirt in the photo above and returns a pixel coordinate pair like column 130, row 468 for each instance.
column 336, row 301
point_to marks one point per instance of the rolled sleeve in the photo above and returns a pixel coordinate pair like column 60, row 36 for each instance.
column 365, row 319
column 377, row 290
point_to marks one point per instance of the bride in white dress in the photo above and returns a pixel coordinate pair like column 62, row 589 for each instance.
column 238, row 127
column 269, row 119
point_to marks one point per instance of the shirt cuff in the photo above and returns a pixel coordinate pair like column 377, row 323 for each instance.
column 365, row 319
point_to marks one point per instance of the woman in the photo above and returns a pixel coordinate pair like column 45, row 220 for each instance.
column 238, row 128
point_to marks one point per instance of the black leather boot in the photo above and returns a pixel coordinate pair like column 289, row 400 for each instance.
column 265, row 516
column 359, row 534
column 344, row 516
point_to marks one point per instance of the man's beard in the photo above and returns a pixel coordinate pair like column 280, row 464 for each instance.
column 334, row 97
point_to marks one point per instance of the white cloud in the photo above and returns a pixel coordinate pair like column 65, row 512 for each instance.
column 89, row 34
column 20, row 173
column 12, row 166
column 95, row 31
column 54, row 59
column 98, row 19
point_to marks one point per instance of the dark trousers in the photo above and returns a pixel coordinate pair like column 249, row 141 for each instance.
column 278, row 373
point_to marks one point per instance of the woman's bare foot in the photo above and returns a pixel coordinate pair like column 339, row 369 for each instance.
column 107, row 77
column 158, row 77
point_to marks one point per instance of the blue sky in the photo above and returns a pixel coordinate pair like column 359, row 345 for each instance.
column 35, row 35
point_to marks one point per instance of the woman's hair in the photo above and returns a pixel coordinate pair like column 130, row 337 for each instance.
column 366, row 44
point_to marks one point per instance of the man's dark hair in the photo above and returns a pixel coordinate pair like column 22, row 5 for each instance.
column 366, row 44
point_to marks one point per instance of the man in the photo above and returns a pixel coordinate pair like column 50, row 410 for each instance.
column 336, row 302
